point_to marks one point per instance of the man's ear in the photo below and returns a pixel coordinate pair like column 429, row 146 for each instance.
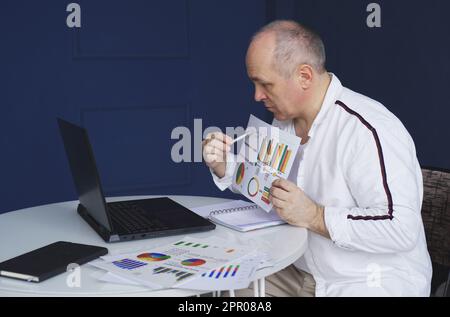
column 305, row 75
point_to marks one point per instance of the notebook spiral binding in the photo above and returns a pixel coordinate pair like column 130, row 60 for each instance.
column 231, row 210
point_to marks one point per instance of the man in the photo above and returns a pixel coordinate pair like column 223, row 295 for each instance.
column 355, row 184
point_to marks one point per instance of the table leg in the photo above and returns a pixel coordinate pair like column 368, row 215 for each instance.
column 256, row 288
column 262, row 287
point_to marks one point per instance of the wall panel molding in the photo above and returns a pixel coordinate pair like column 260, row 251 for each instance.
column 87, row 40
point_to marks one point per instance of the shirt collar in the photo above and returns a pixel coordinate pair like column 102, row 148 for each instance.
column 333, row 91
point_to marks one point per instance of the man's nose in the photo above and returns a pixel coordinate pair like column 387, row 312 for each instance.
column 259, row 94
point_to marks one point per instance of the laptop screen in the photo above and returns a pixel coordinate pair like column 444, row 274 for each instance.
column 84, row 171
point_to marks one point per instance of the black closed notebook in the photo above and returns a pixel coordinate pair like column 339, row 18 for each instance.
column 53, row 259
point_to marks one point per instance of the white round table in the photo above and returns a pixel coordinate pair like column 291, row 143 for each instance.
column 24, row 230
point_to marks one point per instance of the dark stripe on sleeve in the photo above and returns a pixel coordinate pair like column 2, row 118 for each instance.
column 389, row 216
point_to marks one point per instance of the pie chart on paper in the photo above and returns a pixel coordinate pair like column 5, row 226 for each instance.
column 153, row 257
column 253, row 187
column 240, row 174
column 193, row 262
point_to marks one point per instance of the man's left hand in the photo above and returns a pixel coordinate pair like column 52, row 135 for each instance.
column 296, row 208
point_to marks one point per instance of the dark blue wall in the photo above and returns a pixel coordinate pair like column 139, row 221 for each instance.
column 405, row 64
column 137, row 69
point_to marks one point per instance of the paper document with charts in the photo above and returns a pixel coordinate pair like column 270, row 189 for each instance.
column 202, row 264
column 266, row 154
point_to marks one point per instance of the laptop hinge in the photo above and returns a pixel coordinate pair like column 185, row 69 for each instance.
column 101, row 230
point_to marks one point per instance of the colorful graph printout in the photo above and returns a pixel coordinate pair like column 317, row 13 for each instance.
column 223, row 272
column 265, row 195
column 191, row 244
column 153, row 257
column 184, row 268
column 240, row 173
column 267, row 155
column 274, row 154
column 128, row 264
column 193, row 262
column 180, row 275
column 253, row 187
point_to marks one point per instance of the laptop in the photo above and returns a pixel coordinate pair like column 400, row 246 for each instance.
column 123, row 220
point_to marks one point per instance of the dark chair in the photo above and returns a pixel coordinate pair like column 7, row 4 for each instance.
column 436, row 219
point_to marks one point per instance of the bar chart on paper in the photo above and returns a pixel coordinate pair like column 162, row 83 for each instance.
column 233, row 275
column 128, row 264
column 179, row 274
column 274, row 155
column 191, row 244
column 223, row 272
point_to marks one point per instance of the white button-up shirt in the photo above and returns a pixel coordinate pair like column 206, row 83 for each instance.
column 360, row 164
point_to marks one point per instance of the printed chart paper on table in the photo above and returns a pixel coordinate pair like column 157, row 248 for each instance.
column 188, row 261
column 265, row 155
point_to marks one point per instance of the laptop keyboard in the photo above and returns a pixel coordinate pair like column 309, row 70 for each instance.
column 133, row 218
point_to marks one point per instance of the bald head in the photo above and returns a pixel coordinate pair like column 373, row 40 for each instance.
column 290, row 45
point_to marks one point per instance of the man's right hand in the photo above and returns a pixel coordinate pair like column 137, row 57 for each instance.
column 215, row 149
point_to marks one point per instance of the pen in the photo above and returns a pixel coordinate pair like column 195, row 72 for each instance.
column 242, row 136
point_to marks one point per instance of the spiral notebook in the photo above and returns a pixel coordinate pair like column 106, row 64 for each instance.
column 239, row 215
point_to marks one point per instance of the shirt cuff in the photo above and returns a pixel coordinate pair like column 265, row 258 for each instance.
column 336, row 222
column 226, row 181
